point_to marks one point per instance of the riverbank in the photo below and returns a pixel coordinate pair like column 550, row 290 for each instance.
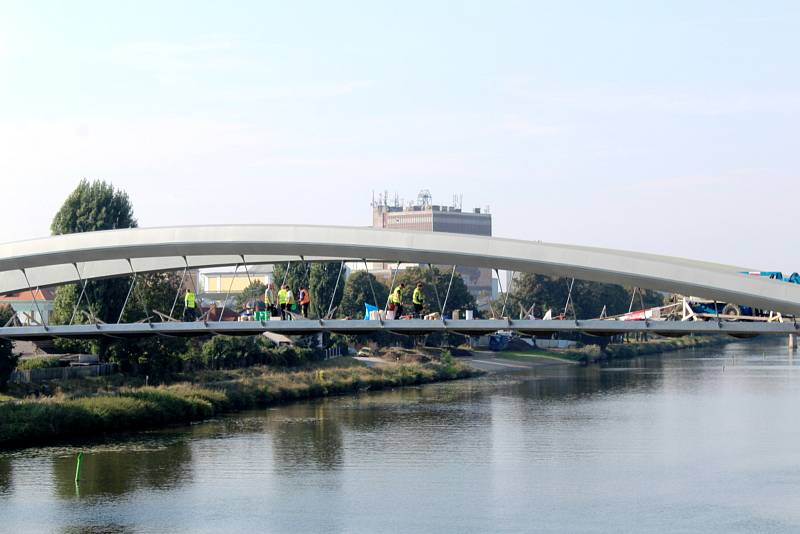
column 619, row 351
column 72, row 415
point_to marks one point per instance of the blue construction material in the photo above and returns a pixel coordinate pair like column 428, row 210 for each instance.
column 367, row 309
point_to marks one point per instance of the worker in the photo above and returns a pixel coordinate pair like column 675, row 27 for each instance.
column 283, row 300
column 418, row 299
column 304, row 298
column 397, row 300
column 271, row 299
column 189, row 306
column 290, row 302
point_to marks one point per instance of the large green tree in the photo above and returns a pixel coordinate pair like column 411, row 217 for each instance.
column 358, row 291
column 8, row 360
column 322, row 283
column 92, row 206
column 435, row 282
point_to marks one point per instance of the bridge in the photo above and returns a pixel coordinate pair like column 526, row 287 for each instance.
column 80, row 258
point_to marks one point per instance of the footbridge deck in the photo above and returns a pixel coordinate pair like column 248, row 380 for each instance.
column 476, row 327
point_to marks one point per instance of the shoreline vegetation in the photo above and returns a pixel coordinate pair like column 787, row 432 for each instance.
column 87, row 409
column 620, row 351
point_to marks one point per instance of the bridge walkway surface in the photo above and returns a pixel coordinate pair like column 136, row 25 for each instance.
column 475, row 327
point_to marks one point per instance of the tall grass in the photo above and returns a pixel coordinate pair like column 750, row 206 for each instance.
column 41, row 421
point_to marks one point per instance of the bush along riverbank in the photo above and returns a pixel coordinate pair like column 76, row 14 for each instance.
column 43, row 421
column 622, row 351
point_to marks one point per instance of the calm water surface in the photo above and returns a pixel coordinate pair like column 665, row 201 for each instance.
column 696, row 441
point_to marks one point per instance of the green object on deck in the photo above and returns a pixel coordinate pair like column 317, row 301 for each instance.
column 78, row 468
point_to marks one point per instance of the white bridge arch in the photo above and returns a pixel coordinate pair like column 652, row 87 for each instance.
column 69, row 258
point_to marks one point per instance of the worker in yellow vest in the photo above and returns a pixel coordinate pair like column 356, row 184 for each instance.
column 397, row 300
column 189, row 306
column 418, row 299
column 283, row 300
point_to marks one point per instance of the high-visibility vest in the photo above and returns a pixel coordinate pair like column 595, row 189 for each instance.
column 397, row 295
column 418, row 297
column 283, row 296
column 304, row 298
column 189, row 300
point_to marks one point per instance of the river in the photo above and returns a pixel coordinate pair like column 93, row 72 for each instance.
column 704, row 440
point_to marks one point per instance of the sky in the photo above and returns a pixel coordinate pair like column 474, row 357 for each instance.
column 665, row 127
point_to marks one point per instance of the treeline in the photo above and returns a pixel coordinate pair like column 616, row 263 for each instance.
column 586, row 301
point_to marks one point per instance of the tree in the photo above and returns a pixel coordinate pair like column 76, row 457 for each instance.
column 254, row 291
column 295, row 276
column 90, row 207
column 321, row 284
column 8, row 360
column 436, row 282
column 358, row 291
column 588, row 298
column 319, row 278
column 93, row 206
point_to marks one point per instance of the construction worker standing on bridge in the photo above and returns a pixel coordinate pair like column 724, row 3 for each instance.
column 418, row 300
column 304, row 299
column 283, row 300
column 189, row 306
column 396, row 298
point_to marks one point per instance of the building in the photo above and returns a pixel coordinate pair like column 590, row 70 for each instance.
column 215, row 284
column 29, row 306
column 425, row 216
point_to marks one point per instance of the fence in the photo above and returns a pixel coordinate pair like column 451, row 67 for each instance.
column 62, row 373
column 333, row 352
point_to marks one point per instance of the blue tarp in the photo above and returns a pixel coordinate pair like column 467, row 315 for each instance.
column 368, row 308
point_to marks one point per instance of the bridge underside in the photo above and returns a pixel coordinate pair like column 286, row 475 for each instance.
column 406, row 327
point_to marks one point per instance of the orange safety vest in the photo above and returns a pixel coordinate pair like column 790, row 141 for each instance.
column 304, row 297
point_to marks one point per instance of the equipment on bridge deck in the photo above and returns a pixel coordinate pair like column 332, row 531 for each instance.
column 793, row 278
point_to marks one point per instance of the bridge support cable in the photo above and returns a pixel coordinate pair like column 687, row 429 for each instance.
column 33, row 294
column 391, row 287
column 371, row 287
column 128, row 296
column 84, row 283
column 286, row 273
column 228, row 294
column 142, row 300
column 335, row 288
column 436, row 288
column 633, row 297
column 180, row 287
column 308, row 285
column 246, row 270
column 447, row 295
column 569, row 301
column 505, row 293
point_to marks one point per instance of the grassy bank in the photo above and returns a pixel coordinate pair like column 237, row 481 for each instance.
column 42, row 421
column 621, row 351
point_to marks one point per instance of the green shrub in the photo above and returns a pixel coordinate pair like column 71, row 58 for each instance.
column 39, row 362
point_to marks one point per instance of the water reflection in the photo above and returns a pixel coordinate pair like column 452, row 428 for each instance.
column 6, row 473
column 306, row 436
column 117, row 471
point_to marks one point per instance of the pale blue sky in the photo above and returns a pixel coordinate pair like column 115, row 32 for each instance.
column 668, row 127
